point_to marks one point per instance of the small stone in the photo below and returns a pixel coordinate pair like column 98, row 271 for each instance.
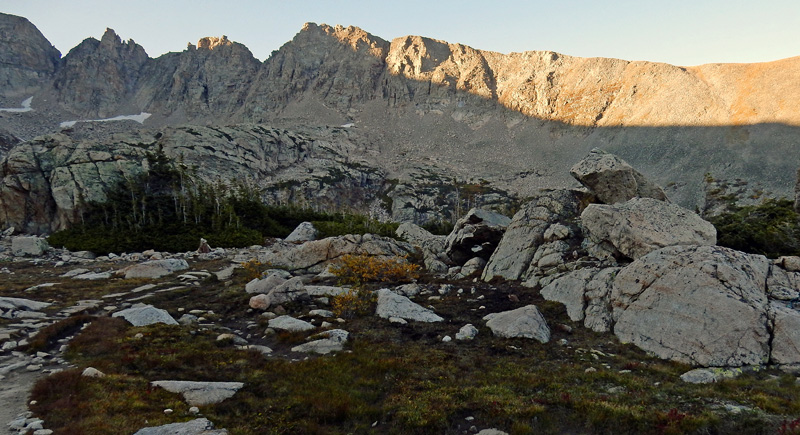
column 397, row 321
column 590, row 370
column 168, row 411
column 92, row 372
column 194, row 410
column 447, row 339
column 33, row 367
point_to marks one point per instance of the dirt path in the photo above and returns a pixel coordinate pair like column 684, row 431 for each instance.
column 14, row 392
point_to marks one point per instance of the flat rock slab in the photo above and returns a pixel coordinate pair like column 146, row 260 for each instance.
column 22, row 304
column 390, row 304
column 289, row 323
column 145, row 315
column 156, row 268
column 524, row 322
column 199, row 426
column 199, row 393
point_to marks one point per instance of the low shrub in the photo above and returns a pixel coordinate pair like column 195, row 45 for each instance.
column 357, row 270
column 771, row 228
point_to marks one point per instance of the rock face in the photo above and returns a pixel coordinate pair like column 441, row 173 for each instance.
column 513, row 258
column 613, row 180
column 642, row 225
column 27, row 59
column 702, row 305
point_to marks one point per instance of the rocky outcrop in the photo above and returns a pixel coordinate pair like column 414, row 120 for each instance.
column 549, row 213
column 145, row 315
column 613, row 180
column 316, row 255
column 27, row 59
column 477, row 234
column 642, row 225
column 197, row 393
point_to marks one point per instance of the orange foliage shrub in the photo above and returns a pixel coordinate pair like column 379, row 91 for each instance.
column 361, row 269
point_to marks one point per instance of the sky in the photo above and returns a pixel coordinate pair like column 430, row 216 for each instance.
column 679, row 32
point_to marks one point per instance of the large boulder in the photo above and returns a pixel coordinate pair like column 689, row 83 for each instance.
column 155, row 268
column 642, row 225
column 391, row 304
column 304, row 232
column 316, row 255
column 701, row 305
column 613, row 180
column 28, row 246
column 513, row 257
column 477, row 234
column 524, row 322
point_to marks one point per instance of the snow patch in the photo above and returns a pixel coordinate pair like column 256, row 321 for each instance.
column 26, row 107
column 138, row 118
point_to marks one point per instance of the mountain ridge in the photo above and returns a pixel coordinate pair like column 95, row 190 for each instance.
column 517, row 120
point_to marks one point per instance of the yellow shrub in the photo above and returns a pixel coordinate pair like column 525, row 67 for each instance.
column 358, row 270
column 253, row 268
column 356, row 302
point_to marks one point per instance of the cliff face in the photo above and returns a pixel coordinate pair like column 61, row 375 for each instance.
column 421, row 106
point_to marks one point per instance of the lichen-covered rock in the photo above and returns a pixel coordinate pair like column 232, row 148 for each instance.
column 524, row 322
column 613, row 180
column 701, row 305
column 526, row 232
column 642, row 225
column 475, row 234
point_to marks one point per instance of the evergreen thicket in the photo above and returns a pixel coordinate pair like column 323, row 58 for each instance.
column 167, row 208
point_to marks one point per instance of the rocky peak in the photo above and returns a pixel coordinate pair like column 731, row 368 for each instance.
column 96, row 76
column 212, row 42
column 27, row 59
column 356, row 38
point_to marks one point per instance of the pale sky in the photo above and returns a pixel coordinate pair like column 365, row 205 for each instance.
column 680, row 32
